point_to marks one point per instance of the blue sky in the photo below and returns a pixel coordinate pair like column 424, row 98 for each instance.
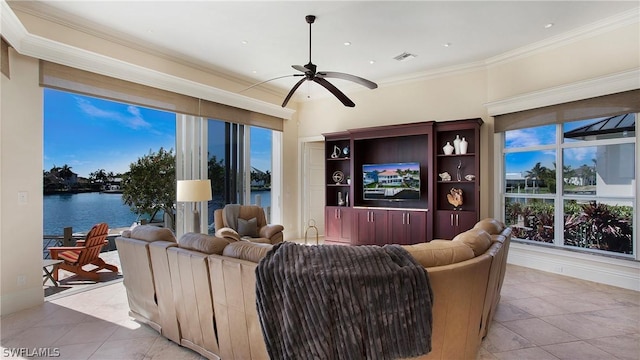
column 540, row 136
column 89, row 134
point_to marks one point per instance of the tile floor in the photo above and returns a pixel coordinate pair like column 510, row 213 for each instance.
column 541, row 316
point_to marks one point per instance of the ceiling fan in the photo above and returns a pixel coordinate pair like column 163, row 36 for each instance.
column 310, row 74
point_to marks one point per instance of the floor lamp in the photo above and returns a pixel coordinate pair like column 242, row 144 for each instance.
column 194, row 191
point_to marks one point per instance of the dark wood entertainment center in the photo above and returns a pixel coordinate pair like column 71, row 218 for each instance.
column 352, row 219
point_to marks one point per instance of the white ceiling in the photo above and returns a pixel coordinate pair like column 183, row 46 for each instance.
column 258, row 40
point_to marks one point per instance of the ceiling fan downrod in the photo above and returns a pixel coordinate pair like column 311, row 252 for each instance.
column 310, row 19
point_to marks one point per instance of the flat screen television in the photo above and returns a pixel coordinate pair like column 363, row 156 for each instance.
column 391, row 181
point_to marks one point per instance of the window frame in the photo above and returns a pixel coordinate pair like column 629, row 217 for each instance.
column 559, row 197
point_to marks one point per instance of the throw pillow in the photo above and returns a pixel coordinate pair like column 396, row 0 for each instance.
column 248, row 227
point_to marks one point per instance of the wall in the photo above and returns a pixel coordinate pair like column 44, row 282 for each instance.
column 21, row 169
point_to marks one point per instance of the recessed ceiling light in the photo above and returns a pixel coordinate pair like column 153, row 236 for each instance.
column 347, row 43
column 446, row 44
column 372, row 62
column 254, row 71
column 548, row 25
column 244, row 42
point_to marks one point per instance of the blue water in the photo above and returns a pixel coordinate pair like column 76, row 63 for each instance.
column 82, row 211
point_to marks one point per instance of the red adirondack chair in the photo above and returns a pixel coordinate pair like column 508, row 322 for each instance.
column 86, row 252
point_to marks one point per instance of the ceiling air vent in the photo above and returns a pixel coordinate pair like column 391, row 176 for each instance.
column 405, row 56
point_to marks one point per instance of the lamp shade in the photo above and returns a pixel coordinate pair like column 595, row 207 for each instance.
column 193, row 190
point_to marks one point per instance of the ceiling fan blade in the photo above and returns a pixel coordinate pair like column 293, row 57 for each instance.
column 300, row 68
column 262, row 82
column 295, row 87
column 334, row 90
column 355, row 79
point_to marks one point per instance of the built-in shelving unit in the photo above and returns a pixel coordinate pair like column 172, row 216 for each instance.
column 354, row 219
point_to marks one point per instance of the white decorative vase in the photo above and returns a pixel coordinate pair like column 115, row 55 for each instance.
column 456, row 144
column 463, row 146
column 448, row 149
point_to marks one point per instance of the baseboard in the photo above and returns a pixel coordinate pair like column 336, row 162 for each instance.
column 601, row 269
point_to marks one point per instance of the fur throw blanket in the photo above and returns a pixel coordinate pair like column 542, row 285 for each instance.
column 343, row 302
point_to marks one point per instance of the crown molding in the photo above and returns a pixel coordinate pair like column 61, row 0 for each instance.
column 46, row 49
column 599, row 27
column 608, row 84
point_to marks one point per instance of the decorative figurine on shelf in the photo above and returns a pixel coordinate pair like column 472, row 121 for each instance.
column 463, row 146
column 458, row 171
column 345, row 151
column 336, row 152
column 340, row 199
column 454, row 197
column 469, row 177
column 338, row 177
column 445, row 176
column 456, row 144
column 448, row 149
column 346, row 198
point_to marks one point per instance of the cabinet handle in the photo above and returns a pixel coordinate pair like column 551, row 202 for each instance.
column 339, row 214
column 451, row 220
column 408, row 218
column 372, row 218
column 457, row 219
column 403, row 215
column 335, row 215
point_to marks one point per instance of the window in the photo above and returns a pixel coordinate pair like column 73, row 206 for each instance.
column 590, row 204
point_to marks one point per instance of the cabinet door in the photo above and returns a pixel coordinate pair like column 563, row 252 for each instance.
column 416, row 225
column 465, row 221
column 445, row 227
column 407, row 227
column 337, row 224
column 371, row 227
column 451, row 223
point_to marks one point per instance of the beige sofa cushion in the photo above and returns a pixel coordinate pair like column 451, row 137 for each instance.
column 439, row 252
column 246, row 250
column 150, row 233
column 203, row 243
column 490, row 225
column 477, row 239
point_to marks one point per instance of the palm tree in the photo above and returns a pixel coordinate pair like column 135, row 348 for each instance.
column 65, row 172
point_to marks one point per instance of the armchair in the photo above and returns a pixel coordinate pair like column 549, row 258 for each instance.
column 86, row 252
column 246, row 222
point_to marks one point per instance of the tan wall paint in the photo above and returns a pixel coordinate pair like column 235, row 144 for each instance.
column 21, row 171
column 587, row 58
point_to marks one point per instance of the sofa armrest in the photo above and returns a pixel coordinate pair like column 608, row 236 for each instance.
column 268, row 231
column 228, row 233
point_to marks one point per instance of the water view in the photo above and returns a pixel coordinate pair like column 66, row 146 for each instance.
column 82, row 211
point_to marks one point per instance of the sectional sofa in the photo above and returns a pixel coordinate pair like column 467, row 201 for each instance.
column 200, row 291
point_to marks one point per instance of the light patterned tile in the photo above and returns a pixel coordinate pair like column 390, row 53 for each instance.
column 90, row 331
column 506, row 311
column 76, row 351
column 130, row 329
column 534, row 353
column 40, row 336
column 484, row 354
column 625, row 347
column 539, row 332
column 502, row 339
column 538, row 306
column 578, row 350
column 130, row 349
column 584, row 325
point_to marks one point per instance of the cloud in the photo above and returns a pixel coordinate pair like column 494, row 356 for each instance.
column 132, row 118
column 529, row 137
column 579, row 155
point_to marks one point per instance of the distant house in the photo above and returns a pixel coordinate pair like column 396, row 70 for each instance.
column 389, row 177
